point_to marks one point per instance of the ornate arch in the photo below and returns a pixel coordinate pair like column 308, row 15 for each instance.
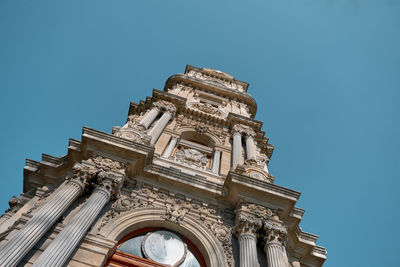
column 197, row 233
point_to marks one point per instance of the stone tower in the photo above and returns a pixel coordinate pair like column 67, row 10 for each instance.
column 184, row 182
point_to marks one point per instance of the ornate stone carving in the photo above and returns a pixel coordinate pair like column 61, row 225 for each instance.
column 238, row 128
column 275, row 233
column 256, row 210
column 165, row 106
column 82, row 174
column 224, row 235
column 246, row 224
column 176, row 210
column 134, row 132
column 110, row 182
column 106, row 164
column 15, row 204
column 191, row 157
column 179, row 88
column 200, row 126
column 207, row 108
column 211, row 78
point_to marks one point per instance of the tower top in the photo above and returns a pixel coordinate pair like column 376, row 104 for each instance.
column 214, row 82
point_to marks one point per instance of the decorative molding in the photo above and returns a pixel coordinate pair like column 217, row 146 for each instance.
column 214, row 79
column 206, row 108
column 165, row 106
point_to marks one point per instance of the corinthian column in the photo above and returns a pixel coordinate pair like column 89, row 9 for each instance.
column 58, row 252
column 275, row 237
column 156, row 131
column 237, row 148
column 149, row 118
column 250, row 147
column 12, row 252
column 246, row 228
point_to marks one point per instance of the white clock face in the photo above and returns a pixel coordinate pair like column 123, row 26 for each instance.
column 164, row 247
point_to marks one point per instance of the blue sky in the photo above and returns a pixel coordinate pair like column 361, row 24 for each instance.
column 325, row 75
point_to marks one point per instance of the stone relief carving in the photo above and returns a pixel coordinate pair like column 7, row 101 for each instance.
column 200, row 126
column 207, row 77
column 106, row 164
column 176, row 208
column 206, row 108
column 224, row 235
column 191, row 157
column 134, row 131
column 165, row 106
column 179, row 88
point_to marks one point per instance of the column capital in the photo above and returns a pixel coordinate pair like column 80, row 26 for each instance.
column 247, row 225
column 81, row 175
column 110, row 182
column 238, row 129
column 275, row 234
column 249, row 132
column 165, row 106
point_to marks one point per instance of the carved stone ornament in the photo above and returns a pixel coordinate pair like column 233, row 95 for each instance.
column 241, row 129
column 207, row 108
column 15, row 204
column 134, row 132
column 246, row 224
column 211, row 78
column 224, row 235
column 106, row 164
column 165, row 106
column 110, row 182
column 275, row 233
column 191, row 157
column 200, row 126
column 256, row 210
column 179, row 88
column 176, row 210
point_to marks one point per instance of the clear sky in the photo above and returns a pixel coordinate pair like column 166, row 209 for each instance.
column 325, row 75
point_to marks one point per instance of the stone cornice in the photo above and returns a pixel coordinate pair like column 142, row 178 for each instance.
column 234, row 178
column 221, row 75
column 88, row 133
column 179, row 176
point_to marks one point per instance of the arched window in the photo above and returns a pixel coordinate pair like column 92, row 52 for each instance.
column 156, row 247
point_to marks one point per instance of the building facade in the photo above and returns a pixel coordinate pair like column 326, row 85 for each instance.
column 184, row 182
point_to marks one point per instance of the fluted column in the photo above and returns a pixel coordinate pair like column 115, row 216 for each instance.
column 12, row 252
column 250, row 147
column 150, row 117
column 246, row 228
column 237, row 149
column 171, row 146
column 275, row 237
column 58, row 252
column 156, row 131
column 216, row 160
